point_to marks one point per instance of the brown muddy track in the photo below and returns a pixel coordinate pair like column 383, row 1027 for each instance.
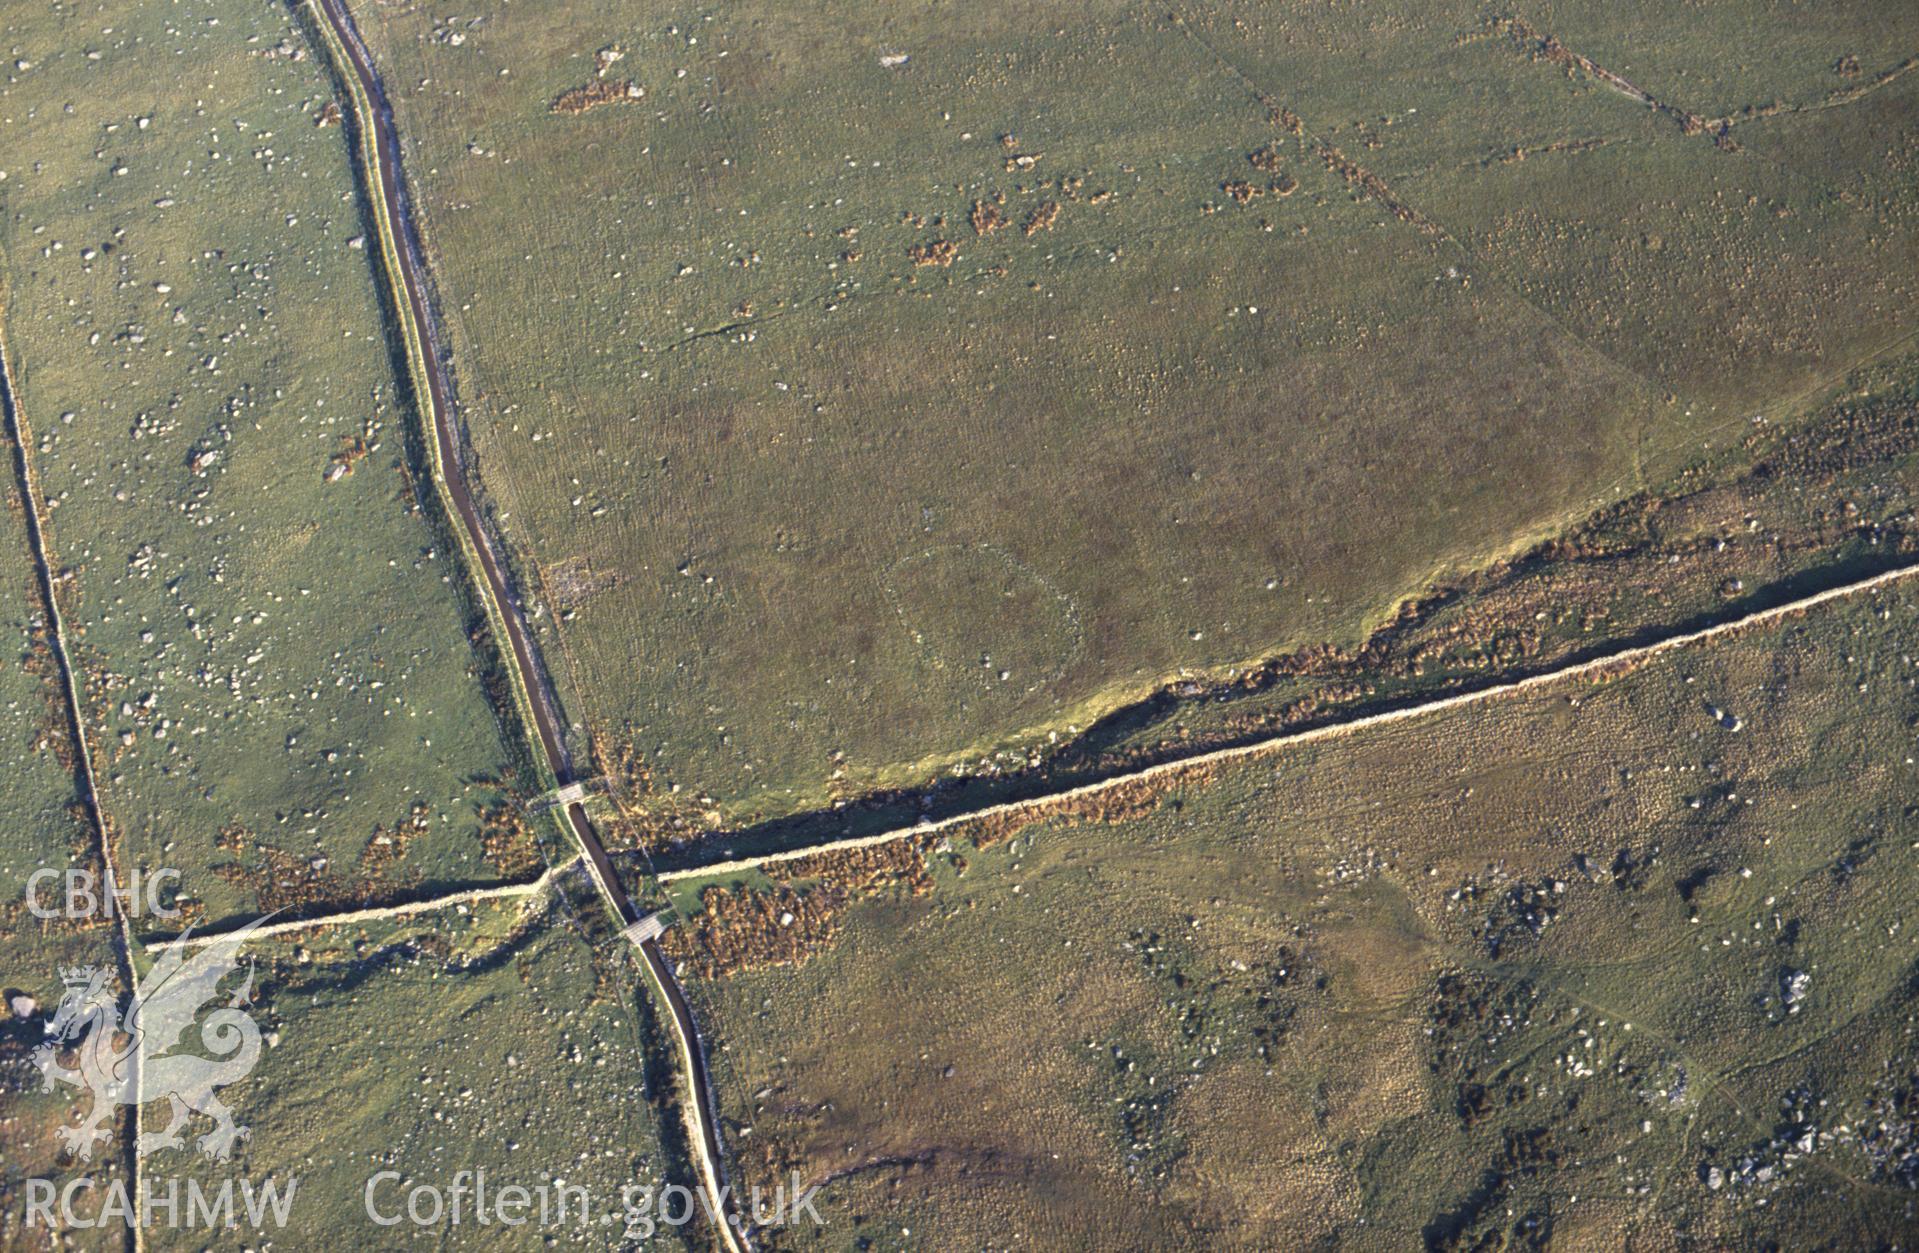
column 540, row 703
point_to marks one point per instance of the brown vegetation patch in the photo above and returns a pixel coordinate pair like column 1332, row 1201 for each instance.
column 1123, row 801
column 1268, row 159
column 857, row 871
column 1042, row 218
column 353, row 450
column 53, row 733
column 747, row 929
column 383, row 853
column 593, row 95
column 648, row 818
column 940, row 252
column 1544, row 47
column 1369, row 184
column 986, row 217
column 279, row 880
column 507, row 839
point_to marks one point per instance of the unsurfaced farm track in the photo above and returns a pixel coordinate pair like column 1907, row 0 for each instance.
column 400, row 259
column 1592, row 668
column 399, row 255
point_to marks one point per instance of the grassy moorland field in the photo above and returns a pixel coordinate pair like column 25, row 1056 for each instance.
column 42, row 828
column 864, row 390
column 279, row 685
column 489, row 1038
column 1787, row 511
column 40, row 806
column 1620, row 961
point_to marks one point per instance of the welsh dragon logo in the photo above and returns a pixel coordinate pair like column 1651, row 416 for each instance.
column 131, row 1062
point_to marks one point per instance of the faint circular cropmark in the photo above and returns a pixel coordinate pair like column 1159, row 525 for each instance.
column 982, row 617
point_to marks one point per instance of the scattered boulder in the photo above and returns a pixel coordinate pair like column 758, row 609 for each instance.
column 1792, row 988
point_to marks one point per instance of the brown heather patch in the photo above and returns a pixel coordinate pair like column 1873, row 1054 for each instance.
column 278, row 879
column 1120, row 802
column 593, row 95
column 21, row 923
column 192, row 914
column 986, row 217
column 507, row 838
column 647, row 818
column 383, row 853
column 747, row 929
column 858, row 871
column 40, row 664
column 53, row 734
column 940, row 252
column 82, row 852
column 1042, row 218
column 305, row 885
column 1369, row 184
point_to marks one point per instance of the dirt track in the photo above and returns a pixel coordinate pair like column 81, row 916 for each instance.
column 400, row 248
column 1594, row 666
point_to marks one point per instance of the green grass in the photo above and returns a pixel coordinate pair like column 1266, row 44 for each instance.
column 798, row 520
column 488, row 1038
column 43, row 830
column 39, row 809
column 1786, row 512
column 1302, row 999
column 1706, row 55
column 198, row 337
column 802, row 526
